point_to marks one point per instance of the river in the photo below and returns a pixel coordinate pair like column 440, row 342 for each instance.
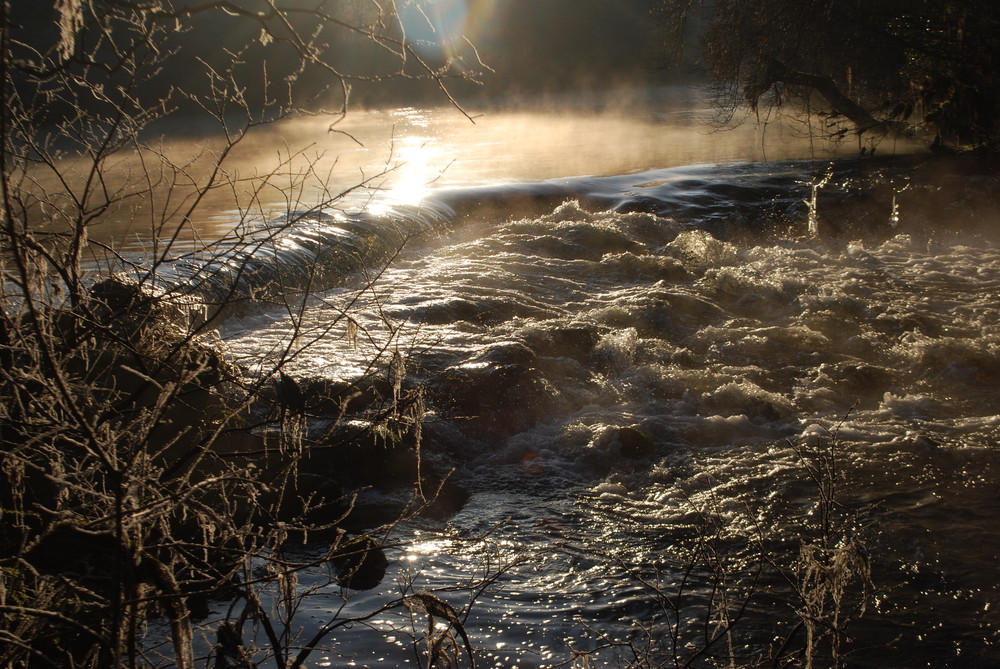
column 632, row 332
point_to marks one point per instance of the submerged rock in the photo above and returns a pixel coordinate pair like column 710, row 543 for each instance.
column 500, row 391
column 575, row 341
column 635, row 443
column 360, row 562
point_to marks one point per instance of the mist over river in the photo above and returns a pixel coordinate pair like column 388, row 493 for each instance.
column 623, row 323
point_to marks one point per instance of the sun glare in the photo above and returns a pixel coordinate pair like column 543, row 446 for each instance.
column 441, row 27
column 418, row 166
column 417, row 161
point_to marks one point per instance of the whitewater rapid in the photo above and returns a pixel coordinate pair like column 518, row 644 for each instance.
column 605, row 358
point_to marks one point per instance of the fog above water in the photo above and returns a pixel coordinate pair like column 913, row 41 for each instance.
column 399, row 155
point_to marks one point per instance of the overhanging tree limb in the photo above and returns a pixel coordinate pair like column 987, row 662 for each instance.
column 778, row 72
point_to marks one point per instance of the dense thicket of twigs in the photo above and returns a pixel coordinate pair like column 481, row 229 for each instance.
column 928, row 65
column 140, row 473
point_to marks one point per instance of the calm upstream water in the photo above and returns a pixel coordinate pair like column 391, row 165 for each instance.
column 625, row 323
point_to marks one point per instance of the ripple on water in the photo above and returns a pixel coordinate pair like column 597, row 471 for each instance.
column 738, row 363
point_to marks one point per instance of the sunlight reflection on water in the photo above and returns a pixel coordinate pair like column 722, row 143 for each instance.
column 397, row 155
column 723, row 357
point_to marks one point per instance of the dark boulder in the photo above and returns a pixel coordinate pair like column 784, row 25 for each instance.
column 635, row 443
column 496, row 393
column 360, row 562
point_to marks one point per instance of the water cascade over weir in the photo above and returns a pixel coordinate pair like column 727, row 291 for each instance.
column 315, row 250
column 310, row 251
column 299, row 252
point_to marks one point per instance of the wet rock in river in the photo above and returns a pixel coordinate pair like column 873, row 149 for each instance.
column 321, row 397
column 500, row 391
column 360, row 562
column 572, row 341
column 359, row 455
column 635, row 443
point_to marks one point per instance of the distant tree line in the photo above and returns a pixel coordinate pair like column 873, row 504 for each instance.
column 304, row 55
column 926, row 65
column 529, row 47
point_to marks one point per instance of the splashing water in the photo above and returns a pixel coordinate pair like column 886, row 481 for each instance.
column 604, row 359
column 619, row 354
column 812, row 225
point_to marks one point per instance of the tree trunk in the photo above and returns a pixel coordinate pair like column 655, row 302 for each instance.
column 825, row 86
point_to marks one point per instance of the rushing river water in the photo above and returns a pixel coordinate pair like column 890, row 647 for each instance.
column 609, row 360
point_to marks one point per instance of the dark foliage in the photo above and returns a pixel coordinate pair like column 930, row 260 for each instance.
column 926, row 65
column 141, row 472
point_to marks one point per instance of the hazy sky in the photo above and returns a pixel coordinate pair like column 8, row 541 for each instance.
column 532, row 47
column 548, row 44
